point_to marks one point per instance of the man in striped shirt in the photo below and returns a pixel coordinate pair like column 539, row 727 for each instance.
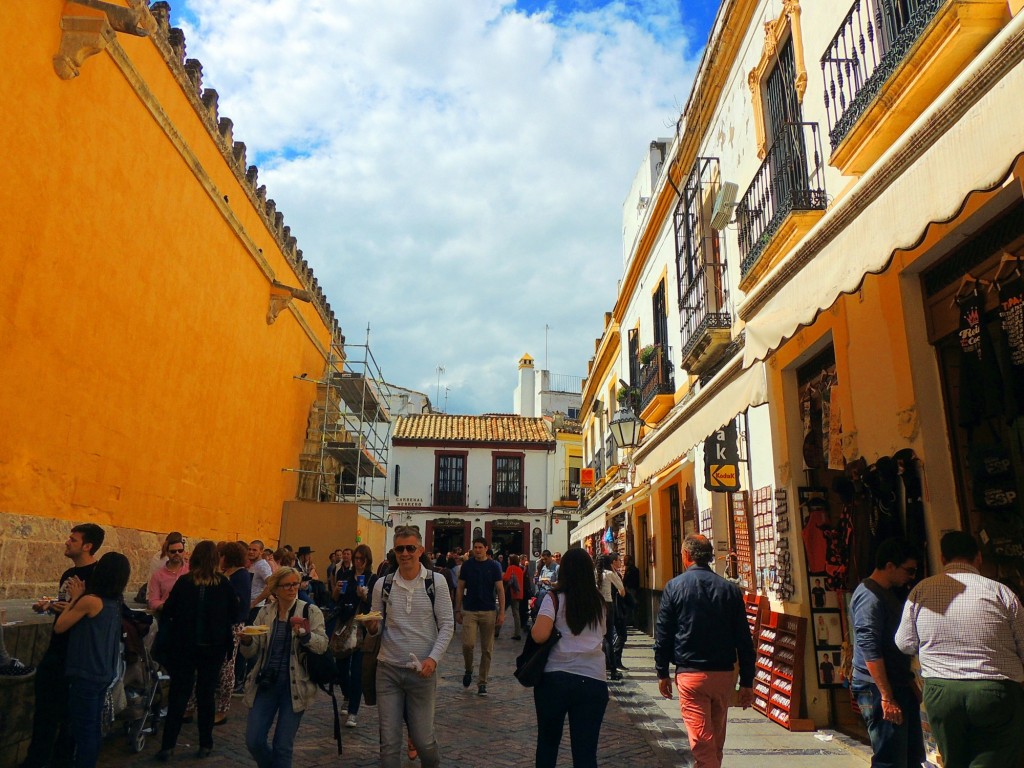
column 969, row 633
column 418, row 626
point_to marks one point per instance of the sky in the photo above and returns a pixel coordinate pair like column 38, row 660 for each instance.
column 454, row 170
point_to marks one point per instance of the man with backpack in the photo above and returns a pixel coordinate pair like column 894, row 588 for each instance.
column 416, row 627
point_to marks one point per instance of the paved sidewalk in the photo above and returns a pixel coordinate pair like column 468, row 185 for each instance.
column 640, row 728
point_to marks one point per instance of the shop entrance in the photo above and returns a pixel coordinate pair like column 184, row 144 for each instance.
column 507, row 537
column 447, row 535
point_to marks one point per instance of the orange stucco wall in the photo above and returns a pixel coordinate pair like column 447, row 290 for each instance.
column 142, row 386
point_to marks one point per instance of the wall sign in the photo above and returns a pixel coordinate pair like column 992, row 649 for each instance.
column 722, row 460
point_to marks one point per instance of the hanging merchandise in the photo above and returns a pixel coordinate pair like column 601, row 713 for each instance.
column 834, row 439
column 882, row 482
column 826, row 421
column 1011, row 320
column 609, row 537
column 992, row 476
column 815, row 520
column 911, row 472
column 981, row 389
column 839, row 538
column 810, row 406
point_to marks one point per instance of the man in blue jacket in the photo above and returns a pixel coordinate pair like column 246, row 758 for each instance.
column 701, row 631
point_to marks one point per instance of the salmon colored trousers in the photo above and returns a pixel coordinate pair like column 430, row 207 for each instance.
column 704, row 704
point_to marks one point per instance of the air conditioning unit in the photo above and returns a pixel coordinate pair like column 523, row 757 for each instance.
column 725, row 204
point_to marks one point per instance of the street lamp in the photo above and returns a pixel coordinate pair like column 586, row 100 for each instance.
column 625, row 429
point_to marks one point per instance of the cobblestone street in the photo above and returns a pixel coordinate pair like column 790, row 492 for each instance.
column 640, row 729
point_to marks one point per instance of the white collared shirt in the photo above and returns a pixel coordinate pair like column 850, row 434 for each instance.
column 410, row 625
column 964, row 626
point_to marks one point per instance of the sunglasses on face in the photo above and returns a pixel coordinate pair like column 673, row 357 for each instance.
column 175, row 551
column 410, row 548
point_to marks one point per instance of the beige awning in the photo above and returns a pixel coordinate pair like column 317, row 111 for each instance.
column 591, row 524
column 968, row 140
column 731, row 392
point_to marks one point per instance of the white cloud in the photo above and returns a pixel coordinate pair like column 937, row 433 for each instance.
column 454, row 171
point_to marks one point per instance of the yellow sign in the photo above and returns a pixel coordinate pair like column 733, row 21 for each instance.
column 724, row 475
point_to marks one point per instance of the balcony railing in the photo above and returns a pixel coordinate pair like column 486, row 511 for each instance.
column 703, row 307
column 611, row 453
column 657, row 376
column 791, row 178
column 597, row 464
column 570, row 491
column 449, row 498
column 874, row 38
column 508, row 498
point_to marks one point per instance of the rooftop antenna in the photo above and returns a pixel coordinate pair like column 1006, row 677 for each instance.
column 446, row 389
column 546, row 329
column 440, row 370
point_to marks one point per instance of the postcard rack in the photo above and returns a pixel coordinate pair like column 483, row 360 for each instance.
column 779, row 670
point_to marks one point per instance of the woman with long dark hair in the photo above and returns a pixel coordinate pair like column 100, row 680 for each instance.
column 93, row 617
column 202, row 608
column 232, row 564
column 574, row 678
column 353, row 592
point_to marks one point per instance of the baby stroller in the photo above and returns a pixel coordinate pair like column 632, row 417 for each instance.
column 135, row 698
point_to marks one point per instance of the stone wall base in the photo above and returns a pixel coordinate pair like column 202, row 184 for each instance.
column 32, row 554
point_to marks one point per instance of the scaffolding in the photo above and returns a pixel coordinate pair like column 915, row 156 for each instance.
column 345, row 457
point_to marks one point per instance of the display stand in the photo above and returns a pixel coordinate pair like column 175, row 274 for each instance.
column 779, row 673
column 755, row 606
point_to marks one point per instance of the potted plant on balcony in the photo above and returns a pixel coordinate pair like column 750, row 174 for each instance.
column 646, row 354
column 627, row 396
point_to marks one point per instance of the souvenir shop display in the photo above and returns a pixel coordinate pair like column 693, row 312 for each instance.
column 779, row 670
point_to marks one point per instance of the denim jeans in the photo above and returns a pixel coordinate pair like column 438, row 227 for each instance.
column 584, row 699
column 894, row 746
column 277, row 702
column 405, row 697
column 85, row 710
column 352, row 680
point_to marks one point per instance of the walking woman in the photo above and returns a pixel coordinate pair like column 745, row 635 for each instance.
column 514, row 579
column 353, row 593
column 278, row 686
column 573, row 682
column 232, row 565
column 93, row 617
column 608, row 580
column 201, row 609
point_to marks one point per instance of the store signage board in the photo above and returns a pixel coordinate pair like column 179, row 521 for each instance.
column 722, row 460
column 587, row 479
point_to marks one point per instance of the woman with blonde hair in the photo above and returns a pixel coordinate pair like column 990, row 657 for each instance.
column 278, row 687
column 201, row 609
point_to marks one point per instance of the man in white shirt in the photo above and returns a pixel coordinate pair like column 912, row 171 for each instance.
column 260, row 570
column 969, row 633
column 417, row 627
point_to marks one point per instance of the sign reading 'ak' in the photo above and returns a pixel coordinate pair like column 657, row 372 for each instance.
column 722, row 460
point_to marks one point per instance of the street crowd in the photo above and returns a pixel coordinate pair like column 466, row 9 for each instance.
column 235, row 619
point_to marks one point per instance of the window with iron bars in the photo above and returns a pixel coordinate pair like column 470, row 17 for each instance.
column 508, row 481
column 700, row 266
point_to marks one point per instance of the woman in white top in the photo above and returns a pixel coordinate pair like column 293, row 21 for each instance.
column 608, row 579
column 574, row 680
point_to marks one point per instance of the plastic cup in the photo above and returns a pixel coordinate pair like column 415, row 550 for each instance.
column 344, row 586
column 361, row 580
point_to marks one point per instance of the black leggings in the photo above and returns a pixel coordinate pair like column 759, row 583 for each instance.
column 203, row 671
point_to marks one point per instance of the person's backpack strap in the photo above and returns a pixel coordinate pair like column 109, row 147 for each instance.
column 389, row 582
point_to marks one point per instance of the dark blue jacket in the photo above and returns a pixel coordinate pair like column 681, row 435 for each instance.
column 702, row 626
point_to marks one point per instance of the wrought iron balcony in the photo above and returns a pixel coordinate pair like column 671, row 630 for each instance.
column 597, row 464
column 790, row 179
column 611, row 453
column 706, row 323
column 509, row 497
column 570, row 491
column 447, row 497
column 656, row 376
column 872, row 42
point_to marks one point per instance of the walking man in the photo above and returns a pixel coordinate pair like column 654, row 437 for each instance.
column 883, row 683
column 969, row 633
column 52, row 743
column 701, row 632
column 415, row 631
column 547, row 576
column 479, row 583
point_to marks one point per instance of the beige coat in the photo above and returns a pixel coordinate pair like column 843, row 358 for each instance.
column 303, row 689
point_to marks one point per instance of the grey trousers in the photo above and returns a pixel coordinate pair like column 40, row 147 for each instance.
column 403, row 696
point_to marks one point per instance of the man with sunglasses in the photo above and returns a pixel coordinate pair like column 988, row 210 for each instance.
column 883, row 685
column 163, row 579
column 417, row 628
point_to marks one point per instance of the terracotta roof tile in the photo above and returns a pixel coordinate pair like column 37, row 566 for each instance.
column 488, row 428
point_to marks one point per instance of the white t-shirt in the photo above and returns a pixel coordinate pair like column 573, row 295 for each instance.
column 260, row 571
column 611, row 579
column 580, row 654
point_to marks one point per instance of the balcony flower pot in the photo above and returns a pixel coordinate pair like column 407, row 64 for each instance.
column 646, row 355
column 627, row 395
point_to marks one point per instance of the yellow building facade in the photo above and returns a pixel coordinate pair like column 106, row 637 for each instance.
column 155, row 309
column 838, row 223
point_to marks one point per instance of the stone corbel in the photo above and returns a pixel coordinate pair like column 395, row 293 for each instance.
column 85, row 36
column 281, row 296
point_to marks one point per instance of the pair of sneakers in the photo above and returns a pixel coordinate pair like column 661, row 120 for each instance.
column 15, row 670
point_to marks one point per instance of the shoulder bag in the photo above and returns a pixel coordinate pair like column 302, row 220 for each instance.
column 531, row 662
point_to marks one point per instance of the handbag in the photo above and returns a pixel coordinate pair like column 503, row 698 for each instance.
column 531, row 662
column 345, row 640
column 371, row 647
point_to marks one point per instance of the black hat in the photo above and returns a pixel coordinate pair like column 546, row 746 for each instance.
column 304, row 551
